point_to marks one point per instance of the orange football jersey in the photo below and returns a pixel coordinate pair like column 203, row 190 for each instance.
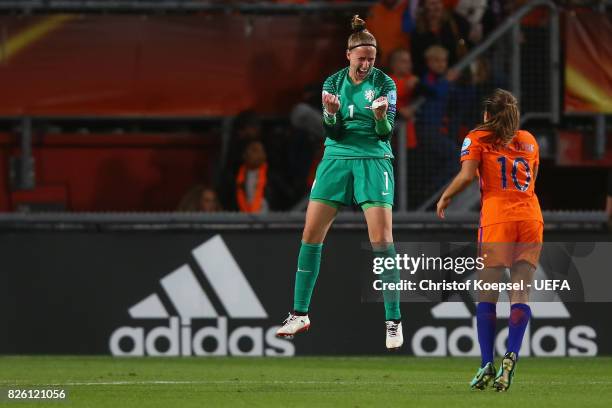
column 507, row 184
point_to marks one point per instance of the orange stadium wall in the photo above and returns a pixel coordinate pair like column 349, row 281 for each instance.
column 192, row 65
column 588, row 62
column 139, row 172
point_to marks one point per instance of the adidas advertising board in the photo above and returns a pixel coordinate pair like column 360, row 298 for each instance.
column 225, row 292
column 192, row 304
column 547, row 340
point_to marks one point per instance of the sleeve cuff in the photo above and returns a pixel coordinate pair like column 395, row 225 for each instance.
column 329, row 118
column 383, row 127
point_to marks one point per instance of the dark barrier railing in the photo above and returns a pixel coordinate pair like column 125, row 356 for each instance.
column 567, row 220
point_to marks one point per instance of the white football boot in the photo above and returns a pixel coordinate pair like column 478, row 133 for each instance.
column 293, row 325
column 395, row 336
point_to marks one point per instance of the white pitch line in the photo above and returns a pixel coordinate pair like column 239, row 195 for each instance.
column 230, row 382
column 276, row 382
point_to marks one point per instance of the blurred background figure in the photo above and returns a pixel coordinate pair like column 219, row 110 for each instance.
column 246, row 128
column 435, row 25
column 434, row 145
column 305, row 115
column 256, row 185
column 407, row 84
column 386, row 21
column 435, row 84
column 200, row 198
column 465, row 98
column 400, row 70
column 305, row 140
column 252, row 179
column 473, row 11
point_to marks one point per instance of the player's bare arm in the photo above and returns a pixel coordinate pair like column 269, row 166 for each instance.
column 459, row 183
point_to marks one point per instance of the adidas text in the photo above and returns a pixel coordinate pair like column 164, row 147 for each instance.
column 185, row 341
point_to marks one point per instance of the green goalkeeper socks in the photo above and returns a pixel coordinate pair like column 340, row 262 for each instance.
column 391, row 297
column 309, row 261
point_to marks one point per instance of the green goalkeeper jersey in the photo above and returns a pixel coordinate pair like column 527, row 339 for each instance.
column 354, row 136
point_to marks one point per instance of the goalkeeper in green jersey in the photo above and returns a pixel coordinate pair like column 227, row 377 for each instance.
column 358, row 115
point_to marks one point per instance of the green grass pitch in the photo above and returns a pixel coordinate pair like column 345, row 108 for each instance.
column 304, row 382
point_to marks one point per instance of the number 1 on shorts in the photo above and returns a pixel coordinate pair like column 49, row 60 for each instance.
column 386, row 181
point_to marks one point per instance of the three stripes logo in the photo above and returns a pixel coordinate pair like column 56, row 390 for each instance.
column 546, row 341
column 188, row 298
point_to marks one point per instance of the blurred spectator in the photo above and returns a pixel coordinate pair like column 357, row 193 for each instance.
column 435, row 83
column 473, row 11
column 400, row 63
column 495, row 13
column 434, row 144
column 466, row 97
column 306, row 114
column 482, row 79
column 251, row 180
column 400, row 69
column 246, row 128
column 306, row 138
column 500, row 55
column 200, row 198
column 257, row 188
column 434, row 25
column 385, row 21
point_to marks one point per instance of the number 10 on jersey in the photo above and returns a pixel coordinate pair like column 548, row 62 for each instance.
column 524, row 168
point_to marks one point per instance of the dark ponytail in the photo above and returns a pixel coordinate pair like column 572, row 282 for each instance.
column 503, row 118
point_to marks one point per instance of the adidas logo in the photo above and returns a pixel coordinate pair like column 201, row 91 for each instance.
column 190, row 301
column 545, row 341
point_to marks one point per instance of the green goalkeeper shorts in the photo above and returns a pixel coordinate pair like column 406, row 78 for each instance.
column 358, row 181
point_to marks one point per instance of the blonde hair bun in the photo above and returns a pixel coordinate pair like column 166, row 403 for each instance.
column 357, row 24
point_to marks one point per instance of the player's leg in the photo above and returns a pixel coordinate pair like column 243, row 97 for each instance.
column 496, row 258
column 379, row 219
column 380, row 233
column 526, row 256
column 374, row 191
column 319, row 218
column 522, row 272
column 517, row 324
column 486, row 319
column 325, row 199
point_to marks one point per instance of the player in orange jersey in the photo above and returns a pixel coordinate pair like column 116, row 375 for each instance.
column 511, row 225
